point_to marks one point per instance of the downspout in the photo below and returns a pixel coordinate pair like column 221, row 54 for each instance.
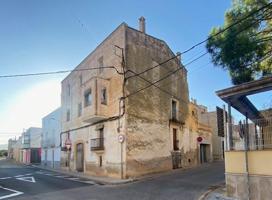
column 230, row 128
column 246, row 142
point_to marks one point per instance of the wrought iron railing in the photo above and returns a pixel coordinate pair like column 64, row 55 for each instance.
column 97, row 144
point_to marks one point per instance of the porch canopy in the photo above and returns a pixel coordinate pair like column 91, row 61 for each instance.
column 236, row 96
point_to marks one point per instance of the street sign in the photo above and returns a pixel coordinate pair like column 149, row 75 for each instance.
column 199, row 139
column 68, row 143
column 121, row 138
column 220, row 121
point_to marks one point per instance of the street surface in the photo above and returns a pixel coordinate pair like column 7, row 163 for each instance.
column 27, row 183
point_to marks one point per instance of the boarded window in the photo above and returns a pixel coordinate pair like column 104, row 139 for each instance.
column 174, row 110
column 88, row 98
column 104, row 96
column 79, row 110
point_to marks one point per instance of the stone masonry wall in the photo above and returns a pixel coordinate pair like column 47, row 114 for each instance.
column 148, row 133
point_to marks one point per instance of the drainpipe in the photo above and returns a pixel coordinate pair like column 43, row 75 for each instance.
column 246, row 137
column 230, row 127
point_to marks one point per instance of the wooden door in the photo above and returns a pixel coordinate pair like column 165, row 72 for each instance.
column 79, row 157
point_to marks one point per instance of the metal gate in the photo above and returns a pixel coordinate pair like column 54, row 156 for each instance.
column 203, row 154
column 176, row 159
column 79, row 157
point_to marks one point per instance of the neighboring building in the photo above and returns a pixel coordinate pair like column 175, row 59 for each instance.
column 51, row 128
column 31, row 146
column 211, row 118
column 248, row 163
column 100, row 105
column 17, row 150
column 11, row 143
column 196, row 141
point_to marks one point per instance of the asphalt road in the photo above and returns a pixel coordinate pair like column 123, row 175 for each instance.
column 177, row 185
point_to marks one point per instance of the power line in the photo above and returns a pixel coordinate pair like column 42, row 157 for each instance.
column 210, row 37
column 148, row 69
column 153, row 83
column 67, row 71
column 163, row 78
column 228, row 27
column 58, row 72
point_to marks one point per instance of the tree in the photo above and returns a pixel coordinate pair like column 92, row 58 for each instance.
column 244, row 49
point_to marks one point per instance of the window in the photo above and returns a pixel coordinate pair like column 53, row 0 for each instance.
column 174, row 110
column 101, row 133
column 100, row 161
column 68, row 89
column 100, row 64
column 175, row 140
column 88, row 98
column 26, row 139
column 68, row 115
column 80, row 79
column 79, row 109
column 104, row 96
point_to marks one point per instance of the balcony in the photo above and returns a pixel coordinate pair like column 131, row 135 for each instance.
column 97, row 144
column 26, row 145
column 92, row 118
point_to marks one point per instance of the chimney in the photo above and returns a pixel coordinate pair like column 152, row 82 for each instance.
column 142, row 24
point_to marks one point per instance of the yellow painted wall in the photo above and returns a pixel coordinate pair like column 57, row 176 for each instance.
column 235, row 162
column 259, row 162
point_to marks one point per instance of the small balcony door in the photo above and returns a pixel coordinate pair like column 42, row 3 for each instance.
column 79, row 157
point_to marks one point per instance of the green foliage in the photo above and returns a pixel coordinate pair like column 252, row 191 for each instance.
column 244, row 49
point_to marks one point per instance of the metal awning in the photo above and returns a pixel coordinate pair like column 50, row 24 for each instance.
column 236, row 96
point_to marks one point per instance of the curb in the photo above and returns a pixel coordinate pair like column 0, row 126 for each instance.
column 96, row 180
column 212, row 189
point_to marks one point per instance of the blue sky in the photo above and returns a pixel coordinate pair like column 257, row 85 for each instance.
column 40, row 36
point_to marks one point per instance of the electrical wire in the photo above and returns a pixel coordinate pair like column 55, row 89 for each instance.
column 58, row 72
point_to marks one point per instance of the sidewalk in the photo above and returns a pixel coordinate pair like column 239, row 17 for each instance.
column 216, row 193
column 99, row 180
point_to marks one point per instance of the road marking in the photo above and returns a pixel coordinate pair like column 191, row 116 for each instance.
column 19, row 175
column 27, row 179
column 3, row 178
column 15, row 193
column 28, row 174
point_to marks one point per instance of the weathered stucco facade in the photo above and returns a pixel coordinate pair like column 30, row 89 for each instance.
column 210, row 118
column 100, row 102
column 197, row 137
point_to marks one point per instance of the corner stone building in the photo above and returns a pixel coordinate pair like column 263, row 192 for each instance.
column 99, row 103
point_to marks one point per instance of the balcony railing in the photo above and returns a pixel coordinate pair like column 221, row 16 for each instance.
column 97, row 144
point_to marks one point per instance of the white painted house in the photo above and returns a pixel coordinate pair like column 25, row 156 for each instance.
column 51, row 128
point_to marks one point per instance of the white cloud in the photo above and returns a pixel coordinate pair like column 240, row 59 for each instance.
column 28, row 108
